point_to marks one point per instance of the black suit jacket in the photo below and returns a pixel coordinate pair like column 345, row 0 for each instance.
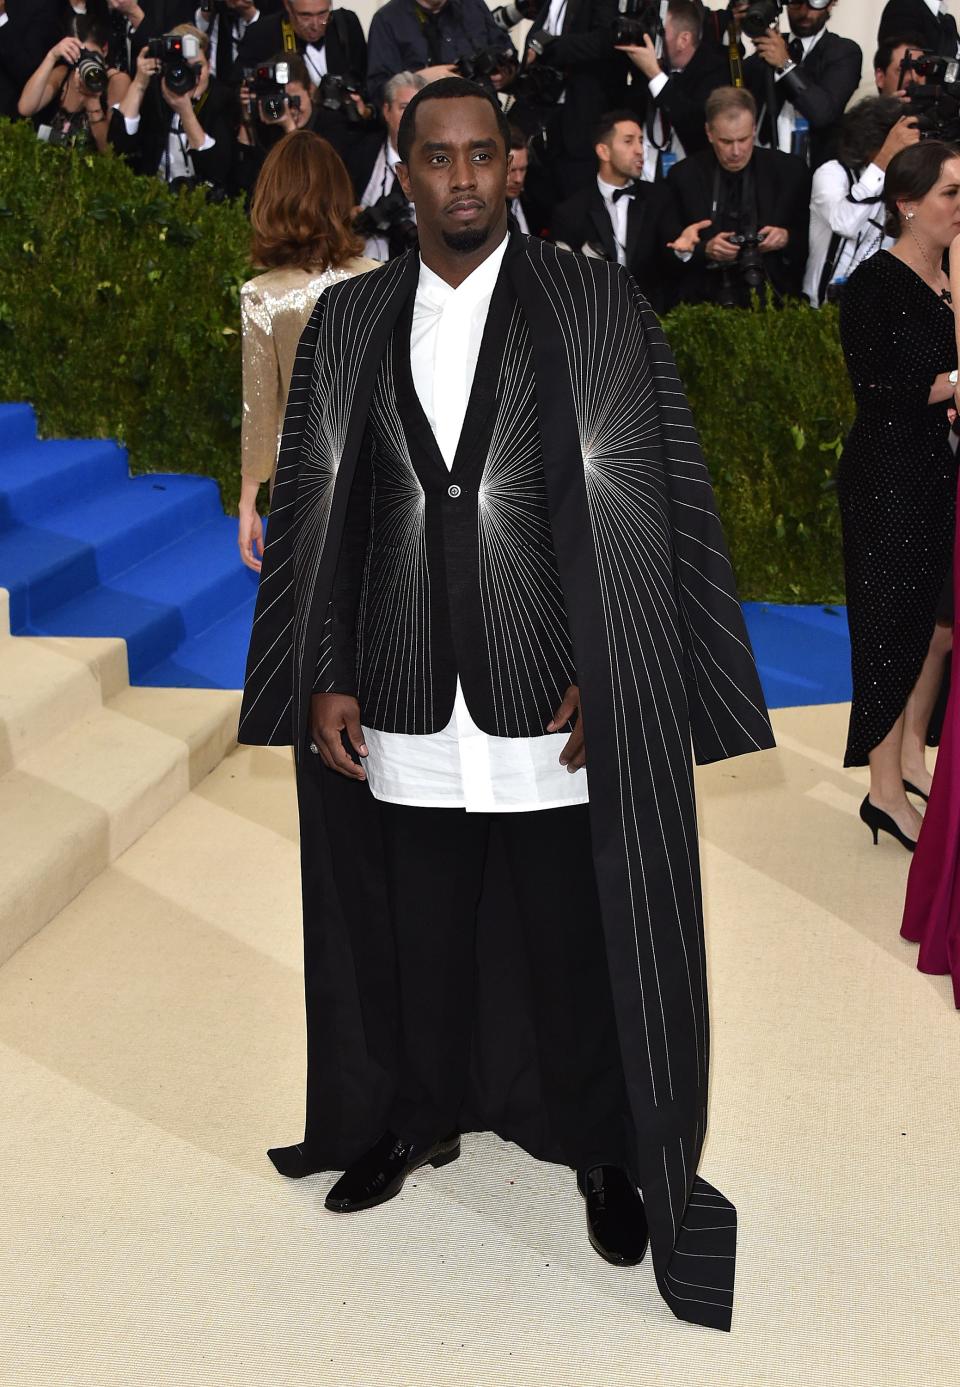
column 218, row 116
column 399, row 41
column 596, row 79
column 683, row 98
column 819, row 88
column 31, row 30
column 345, row 45
column 912, row 18
column 583, row 220
column 782, row 186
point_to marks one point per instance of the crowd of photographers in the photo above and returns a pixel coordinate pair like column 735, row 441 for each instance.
column 642, row 131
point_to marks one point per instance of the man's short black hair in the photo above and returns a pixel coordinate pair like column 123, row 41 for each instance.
column 609, row 121
column 884, row 54
column 446, row 89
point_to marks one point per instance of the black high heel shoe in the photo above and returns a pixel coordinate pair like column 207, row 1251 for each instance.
column 876, row 820
column 912, row 789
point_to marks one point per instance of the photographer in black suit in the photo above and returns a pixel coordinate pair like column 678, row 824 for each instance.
column 615, row 217
column 574, row 36
column 737, row 216
column 814, row 74
column 329, row 39
column 188, row 137
column 227, row 24
column 677, row 83
column 936, row 29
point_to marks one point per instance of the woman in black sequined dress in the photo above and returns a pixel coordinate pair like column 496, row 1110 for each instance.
column 897, row 482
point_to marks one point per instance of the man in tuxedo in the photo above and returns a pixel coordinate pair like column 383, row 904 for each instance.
column 615, row 218
column 735, row 189
column 28, row 30
column 574, row 36
column 189, row 137
column 429, row 36
column 676, row 84
column 887, row 62
column 329, row 39
column 492, row 522
column 813, row 74
column 517, row 207
column 371, row 159
column 928, row 20
column 227, row 23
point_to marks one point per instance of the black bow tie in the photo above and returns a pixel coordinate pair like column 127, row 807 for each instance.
column 628, row 190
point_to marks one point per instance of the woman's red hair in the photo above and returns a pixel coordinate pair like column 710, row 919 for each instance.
column 302, row 206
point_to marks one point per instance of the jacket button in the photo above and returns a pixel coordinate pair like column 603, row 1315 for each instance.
column 453, row 491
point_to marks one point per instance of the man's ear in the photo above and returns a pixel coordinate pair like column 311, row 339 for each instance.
column 404, row 177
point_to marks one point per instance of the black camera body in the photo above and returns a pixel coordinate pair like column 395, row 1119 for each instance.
column 506, row 16
column 336, row 94
column 267, row 85
column 636, row 19
column 479, row 67
column 761, row 15
column 750, row 259
column 176, row 54
column 389, row 217
column 91, row 69
column 540, row 85
column 935, row 102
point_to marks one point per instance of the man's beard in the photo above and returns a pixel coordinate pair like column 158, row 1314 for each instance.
column 466, row 241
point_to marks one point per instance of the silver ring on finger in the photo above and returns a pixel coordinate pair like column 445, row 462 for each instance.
column 314, row 748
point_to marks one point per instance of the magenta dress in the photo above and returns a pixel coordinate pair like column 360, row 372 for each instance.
column 931, row 912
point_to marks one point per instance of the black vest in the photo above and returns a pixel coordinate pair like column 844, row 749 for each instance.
column 446, row 572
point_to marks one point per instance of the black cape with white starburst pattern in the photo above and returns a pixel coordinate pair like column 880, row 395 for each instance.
column 663, row 660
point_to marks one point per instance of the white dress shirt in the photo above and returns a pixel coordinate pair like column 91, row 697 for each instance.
column 462, row 767
column 787, row 118
column 519, row 216
column 654, row 145
column 316, row 61
column 207, row 24
column 836, row 206
column 617, row 212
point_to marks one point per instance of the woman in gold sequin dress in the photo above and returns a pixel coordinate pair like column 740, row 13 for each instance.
column 302, row 236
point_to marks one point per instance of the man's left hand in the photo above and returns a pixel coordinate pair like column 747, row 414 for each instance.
column 772, row 47
column 774, row 237
column 573, row 755
column 642, row 55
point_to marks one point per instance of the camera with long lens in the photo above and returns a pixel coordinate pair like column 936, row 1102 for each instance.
column 760, row 16
column 177, row 55
column 540, row 85
column 506, row 16
column 390, row 218
column 934, row 102
column 336, row 94
column 91, row 68
column 635, row 20
column 266, row 85
column 749, row 261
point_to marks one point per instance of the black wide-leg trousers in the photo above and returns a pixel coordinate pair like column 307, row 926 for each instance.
column 435, row 865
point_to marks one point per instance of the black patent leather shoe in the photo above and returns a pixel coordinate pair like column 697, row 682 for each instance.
column 616, row 1222
column 379, row 1175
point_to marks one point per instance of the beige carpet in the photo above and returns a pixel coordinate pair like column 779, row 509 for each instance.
column 151, row 1048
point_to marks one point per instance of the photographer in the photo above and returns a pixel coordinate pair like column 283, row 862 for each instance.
column 135, row 22
column 75, row 80
column 430, row 36
column 271, row 109
column 753, row 207
column 677, row 84
column 186, row 135
column 934, row 26
column 388, row 221
column 846, row 204
column 813, row 75
column 888, row 61
column 329, row 40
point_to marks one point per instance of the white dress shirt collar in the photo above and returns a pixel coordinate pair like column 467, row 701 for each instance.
column 477, row 285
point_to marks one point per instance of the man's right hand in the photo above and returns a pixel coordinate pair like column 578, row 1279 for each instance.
column 899, row 136
column 721, row 248
column 331, row 715
column 146, row 68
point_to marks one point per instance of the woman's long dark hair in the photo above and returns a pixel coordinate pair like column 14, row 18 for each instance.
column 911, row 174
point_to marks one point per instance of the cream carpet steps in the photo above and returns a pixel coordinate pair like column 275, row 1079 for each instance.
column 87, row 765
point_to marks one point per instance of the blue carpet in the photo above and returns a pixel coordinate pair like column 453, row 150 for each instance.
column 87, row 550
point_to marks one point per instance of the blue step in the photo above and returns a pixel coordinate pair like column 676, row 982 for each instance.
column 802, row 653
column 88, row 542
column 214, row 659
column 36, row 478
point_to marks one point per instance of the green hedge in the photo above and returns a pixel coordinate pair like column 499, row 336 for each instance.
column 119, row 317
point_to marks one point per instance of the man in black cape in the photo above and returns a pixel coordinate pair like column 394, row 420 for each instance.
column 492, row 529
